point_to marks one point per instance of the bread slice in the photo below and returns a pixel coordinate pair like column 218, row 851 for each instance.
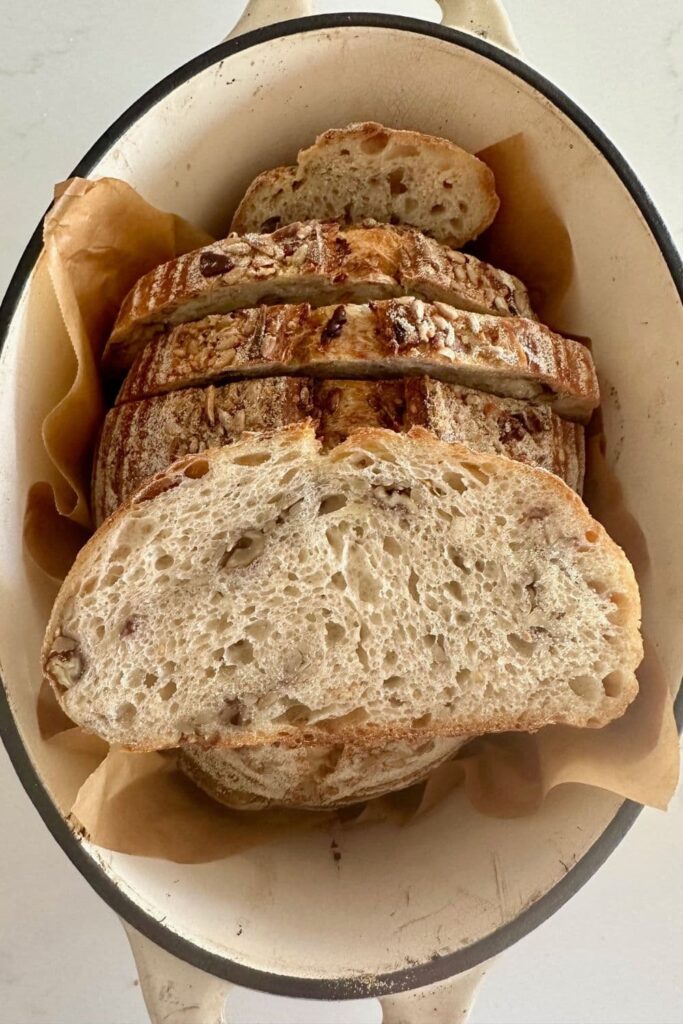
column 367, row 170
column 508, row 356
column 395, row 587
column 139, row 439
column 142, row 438
column 315, row 263
column 314, row 777
column 505, row 426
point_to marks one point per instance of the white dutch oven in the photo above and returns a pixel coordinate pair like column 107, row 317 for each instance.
column 407, row 909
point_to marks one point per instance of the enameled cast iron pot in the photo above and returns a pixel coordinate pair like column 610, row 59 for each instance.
column 406, row 910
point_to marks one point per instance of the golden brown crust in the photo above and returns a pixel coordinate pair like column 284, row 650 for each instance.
column 511, row 356
column 320, row 263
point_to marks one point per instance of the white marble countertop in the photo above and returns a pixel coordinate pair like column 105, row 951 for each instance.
column 613, row 954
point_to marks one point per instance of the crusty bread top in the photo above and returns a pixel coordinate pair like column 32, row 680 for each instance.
column 368, row 170
column 504, row 355
column 139, row 439
column 395, row 586
column 142, row 438
column 315, row 263
column 315, row 777
column 505, row 426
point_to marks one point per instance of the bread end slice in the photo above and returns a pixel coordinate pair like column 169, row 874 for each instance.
column 369, row 171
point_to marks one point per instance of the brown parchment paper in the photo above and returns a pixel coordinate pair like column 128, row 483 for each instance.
column 99, row 237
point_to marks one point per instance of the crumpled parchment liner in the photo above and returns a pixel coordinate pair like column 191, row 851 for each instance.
column 100, row 236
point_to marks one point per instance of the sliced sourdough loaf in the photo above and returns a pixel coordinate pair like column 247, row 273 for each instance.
column 510, row 356
column 367, row 170
column 142, row 438
column 395, row 587
column 315, row 263
column 313, row 777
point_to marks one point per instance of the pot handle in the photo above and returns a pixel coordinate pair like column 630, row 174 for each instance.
column 447, row 1002
column 174, row 990
column 485, row 18
column 177, row 991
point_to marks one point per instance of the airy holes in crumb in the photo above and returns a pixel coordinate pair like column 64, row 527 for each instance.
column 297, row 714
column 476, row 471
column 332, row 503
column 454, row 589
column 392, row 547
column 375, row 143
column 335, row 538
column 335, row 633
column 336, row 722
column 196, row 469
column 613, row 684
column 457, row 559
column 586, row 687
column 252, row 459
column 401, row 150
column 618, row 616
column 362, row 656
column 126, row 712
column 396, row 183
column 240, row 653
column 243, row 552
column 523, row 647
column 338, row 581
column 259, row 630
column 390, row 659
column 455, row 481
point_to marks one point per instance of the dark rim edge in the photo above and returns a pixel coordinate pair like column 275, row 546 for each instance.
column 454, row 963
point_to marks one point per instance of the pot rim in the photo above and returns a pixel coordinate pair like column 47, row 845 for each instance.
column 440, row 968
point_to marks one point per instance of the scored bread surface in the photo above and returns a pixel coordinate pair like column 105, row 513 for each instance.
column 312, row 262
column 511, row 356
column 394, row 587
column 312, row 777
column 368, row 170
column 142, row 438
